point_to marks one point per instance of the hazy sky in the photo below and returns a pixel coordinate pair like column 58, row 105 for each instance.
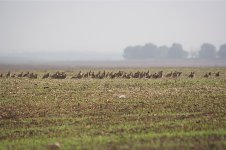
column 109, row 25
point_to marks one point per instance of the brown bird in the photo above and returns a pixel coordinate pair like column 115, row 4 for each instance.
column 13, row 76
column 20, row 75
column 217, row 74
column 8, row 74
column 26, row 74
column 169, row 74
column 206, row 75
column 45, row 76
column 191, row 75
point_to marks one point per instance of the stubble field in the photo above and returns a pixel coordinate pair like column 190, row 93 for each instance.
column 163, row 113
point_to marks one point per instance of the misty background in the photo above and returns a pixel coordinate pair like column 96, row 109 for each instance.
column 111, row 30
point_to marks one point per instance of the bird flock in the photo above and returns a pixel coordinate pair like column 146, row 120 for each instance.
column 104, row 74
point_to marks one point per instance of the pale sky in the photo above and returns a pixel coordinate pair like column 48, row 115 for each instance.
column 109, row 25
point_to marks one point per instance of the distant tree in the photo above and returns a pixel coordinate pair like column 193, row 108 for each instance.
column 129, row 53
column 222, row 52
column 136, row 52
column 149, row 50
column 162, row 52
column 207, row 51
column 177, row 52
column 140, row 52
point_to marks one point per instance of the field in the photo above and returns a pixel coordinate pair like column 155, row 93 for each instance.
column 163, row 113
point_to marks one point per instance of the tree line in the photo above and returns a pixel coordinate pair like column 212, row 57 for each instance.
column 176, row 51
